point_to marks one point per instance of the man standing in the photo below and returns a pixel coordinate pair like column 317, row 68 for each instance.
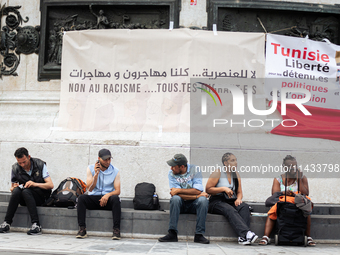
column 31, row 186
column 103, row 184
column 187, row 196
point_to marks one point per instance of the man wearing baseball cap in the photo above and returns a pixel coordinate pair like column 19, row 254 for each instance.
column 103, row 184
column 187, row 196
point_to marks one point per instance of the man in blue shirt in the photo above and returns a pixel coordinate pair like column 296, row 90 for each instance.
column 187, row 196
column 103, row 184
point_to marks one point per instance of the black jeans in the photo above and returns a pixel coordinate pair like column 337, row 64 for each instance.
column 238, row 216
column 27, row 197
column 92, row 203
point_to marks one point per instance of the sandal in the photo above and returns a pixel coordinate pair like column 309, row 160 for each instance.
column 310, row 242
column 265, row 240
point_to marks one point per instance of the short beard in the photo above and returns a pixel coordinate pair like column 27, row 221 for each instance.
column 103, row 165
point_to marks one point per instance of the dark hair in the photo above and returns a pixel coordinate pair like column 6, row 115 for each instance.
column 21, row 152
column 226, row 157
column 288, row 157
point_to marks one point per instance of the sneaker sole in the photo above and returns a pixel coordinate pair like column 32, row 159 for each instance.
column 167, row 241
column 244, row 243
column 115, row 238
column 34, row 234
column 254, row 239
column 202, row 242
column 81, row 236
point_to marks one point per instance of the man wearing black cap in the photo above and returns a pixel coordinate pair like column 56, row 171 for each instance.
column 103, row 184
column 187, row 196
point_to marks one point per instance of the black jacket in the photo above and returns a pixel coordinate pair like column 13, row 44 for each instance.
column 20, row 175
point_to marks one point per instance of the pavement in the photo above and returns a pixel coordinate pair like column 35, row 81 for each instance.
column 19, row 243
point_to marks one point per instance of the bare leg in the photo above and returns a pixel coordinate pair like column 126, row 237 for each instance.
column 310, row 239
column 268, row 228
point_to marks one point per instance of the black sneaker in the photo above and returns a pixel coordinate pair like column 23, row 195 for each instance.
column 243, row 241
column 81, row 233
column 171, row 237
column 116, row 234
column 4, row 227
column 35, row 230
column 199, row 238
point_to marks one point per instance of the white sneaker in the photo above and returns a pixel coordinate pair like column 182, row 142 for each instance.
column 243, row 241
column 251, row 237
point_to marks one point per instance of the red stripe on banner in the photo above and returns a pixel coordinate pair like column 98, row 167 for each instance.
column 323, row 123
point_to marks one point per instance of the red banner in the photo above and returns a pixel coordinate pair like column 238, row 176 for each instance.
column 323, row 123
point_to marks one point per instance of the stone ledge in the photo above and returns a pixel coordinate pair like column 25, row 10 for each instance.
column 319, row 209
column 30, row 97
column 152, row 224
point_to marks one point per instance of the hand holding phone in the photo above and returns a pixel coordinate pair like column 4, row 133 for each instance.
column 97, row 167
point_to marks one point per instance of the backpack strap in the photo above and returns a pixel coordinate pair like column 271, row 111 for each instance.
column 286, row 182
column 235, row 179
column 81, row 185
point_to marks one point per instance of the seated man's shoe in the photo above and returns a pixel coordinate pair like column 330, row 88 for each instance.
column 199, row 238
column 251, row 237
column 81, row 233
column 35, row 230
column 243, row 241
column 116, row 234
column 4, row 227
column 170, row 237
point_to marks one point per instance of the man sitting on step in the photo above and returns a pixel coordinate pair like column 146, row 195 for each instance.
column 103, row 184
column 187, row 196
column 31, row 186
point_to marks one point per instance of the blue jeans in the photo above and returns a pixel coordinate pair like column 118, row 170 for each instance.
column 198, row 206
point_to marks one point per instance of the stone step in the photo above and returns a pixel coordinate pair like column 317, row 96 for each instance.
column 4, row 196
column 319, row 209
column 141, row 224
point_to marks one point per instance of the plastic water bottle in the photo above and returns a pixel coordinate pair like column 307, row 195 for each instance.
column 155, row 198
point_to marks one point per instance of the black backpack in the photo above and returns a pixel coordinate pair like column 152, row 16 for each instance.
column 146, row 197
column 67, row 193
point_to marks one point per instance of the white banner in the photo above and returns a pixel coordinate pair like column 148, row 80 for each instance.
column 293, row 62
column 139, row 80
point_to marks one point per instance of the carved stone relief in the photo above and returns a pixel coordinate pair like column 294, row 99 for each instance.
column 96, row 18
column 316, row 26
column 63, row 16
column 318, row 22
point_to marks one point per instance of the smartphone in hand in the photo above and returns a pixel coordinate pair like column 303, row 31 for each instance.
column 97, row 166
